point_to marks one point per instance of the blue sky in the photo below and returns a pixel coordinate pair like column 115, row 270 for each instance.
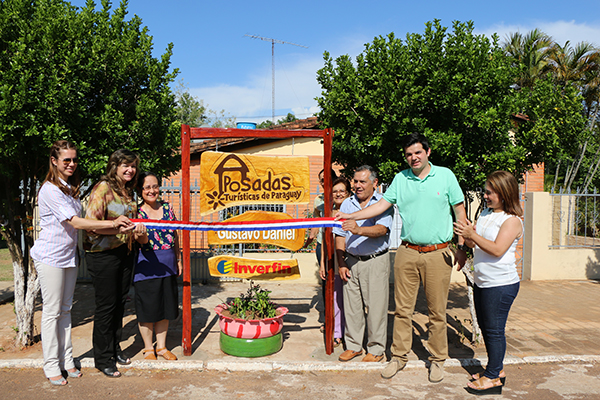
column 231, row 72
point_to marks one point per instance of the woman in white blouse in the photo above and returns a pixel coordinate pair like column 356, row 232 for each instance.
column 495, row 239
column 55, row 256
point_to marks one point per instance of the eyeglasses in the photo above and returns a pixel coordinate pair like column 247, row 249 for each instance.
column 153, row 187
column 340, row 191
column 67, row 161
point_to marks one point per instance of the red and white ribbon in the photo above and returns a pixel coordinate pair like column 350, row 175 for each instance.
column 241, row 225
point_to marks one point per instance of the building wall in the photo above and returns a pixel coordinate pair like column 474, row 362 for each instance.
column 540, row 262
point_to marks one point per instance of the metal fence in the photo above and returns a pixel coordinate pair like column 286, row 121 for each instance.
column 575, row 220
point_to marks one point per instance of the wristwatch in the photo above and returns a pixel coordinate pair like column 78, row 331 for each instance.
column 462, row 247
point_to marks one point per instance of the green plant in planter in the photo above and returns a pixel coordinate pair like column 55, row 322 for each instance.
column 255, row 304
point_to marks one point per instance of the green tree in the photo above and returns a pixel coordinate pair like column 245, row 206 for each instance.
column 578, row 67
column 573, row 68
column 458, row 89
column 268, row 123
column 530, row 53
column 83, row 75
column 220, row 119
column 190, row 110
column 193, row 112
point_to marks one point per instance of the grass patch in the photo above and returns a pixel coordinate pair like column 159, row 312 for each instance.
column 6, row 267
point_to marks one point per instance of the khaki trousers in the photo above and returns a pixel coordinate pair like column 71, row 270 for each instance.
column 368, row 287
column 57, row 285
column 433, row 269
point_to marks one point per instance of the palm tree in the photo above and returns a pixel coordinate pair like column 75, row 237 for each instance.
column 530, row 53
column 579, row 66
column 573, row 65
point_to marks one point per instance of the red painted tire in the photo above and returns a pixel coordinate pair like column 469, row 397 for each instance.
column 250, row 347
column 250, row 329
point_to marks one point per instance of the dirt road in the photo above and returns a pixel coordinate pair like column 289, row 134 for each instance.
column 543, row 381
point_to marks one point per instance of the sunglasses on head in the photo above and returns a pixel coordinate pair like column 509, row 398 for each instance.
column 67, row 161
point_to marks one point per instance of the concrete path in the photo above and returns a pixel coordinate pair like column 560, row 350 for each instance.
column 550, row 321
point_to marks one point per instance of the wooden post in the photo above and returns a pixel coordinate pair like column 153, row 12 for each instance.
column 186, row 336
column 328, row 242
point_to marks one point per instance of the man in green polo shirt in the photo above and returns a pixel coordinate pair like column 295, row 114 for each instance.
column 426, row 195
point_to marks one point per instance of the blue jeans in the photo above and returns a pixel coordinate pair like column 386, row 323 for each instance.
column 492, row 306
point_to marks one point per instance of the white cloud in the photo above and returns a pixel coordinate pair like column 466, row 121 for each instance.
column 296, row 86
column 561, row 31
column 295, row 89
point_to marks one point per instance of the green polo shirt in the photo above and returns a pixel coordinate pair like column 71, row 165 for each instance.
column 425, row 205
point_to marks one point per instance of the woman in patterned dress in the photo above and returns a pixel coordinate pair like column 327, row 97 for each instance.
column 110, row 259
column 156, row 271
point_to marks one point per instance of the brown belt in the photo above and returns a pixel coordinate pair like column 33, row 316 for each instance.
column 425, row 249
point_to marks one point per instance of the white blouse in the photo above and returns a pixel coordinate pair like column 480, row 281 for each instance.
column 57, row 244
column 490, row 271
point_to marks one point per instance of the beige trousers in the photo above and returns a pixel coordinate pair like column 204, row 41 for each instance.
column 433, row 269
column 57, row 286
column 368, row 287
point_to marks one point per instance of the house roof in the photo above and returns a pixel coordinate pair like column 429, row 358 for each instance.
column 233, row 143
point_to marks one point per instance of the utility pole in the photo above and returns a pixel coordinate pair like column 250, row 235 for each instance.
column 273, row 41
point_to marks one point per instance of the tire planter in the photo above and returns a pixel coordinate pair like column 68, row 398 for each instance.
column 250, row 329
column 240, row 347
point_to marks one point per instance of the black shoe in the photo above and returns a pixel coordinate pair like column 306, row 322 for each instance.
column 123, row 359
column 110, row 372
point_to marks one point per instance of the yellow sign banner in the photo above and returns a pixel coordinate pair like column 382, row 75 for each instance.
column 229, row 179
column 246, row 268
column 291, row 239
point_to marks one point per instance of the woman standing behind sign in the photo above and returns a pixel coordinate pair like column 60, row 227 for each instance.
column 156, row 271
column 495, row 239
column 110, row 259
column 341, row 191
column 317, row 233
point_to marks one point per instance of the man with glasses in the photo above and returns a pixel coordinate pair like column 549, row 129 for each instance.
column 364, row 267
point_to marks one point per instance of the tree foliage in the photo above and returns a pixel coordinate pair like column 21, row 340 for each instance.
column 190, row 110
column 455, row 87
column 266, row 124
column 193, row 112
column 574, row 69
column 83, row 75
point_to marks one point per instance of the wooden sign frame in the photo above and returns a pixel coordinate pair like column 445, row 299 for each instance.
column 187, row 134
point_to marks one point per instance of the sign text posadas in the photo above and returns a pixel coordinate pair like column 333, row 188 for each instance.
column 232, row 179
column 291, row 239
column 246, row 268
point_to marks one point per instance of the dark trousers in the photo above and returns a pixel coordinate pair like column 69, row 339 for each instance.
column 492, row 306
column 111, row 273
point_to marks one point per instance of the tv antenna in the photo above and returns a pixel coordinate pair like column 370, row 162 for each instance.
column 273, row 41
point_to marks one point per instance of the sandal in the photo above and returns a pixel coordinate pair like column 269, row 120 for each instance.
column 111, row 372
column 166, row 354
column 501, row 375
column 58, row 382
column 337, row 342
column 123, row 359
column 74, row 374
column 484, row 385
column 149, row 354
